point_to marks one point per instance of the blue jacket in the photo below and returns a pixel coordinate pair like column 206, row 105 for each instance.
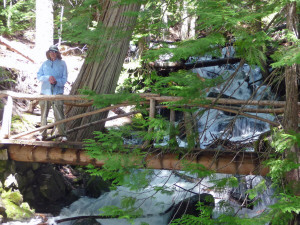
column 58, row 69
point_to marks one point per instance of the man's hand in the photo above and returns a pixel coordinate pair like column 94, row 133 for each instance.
column 52, row 80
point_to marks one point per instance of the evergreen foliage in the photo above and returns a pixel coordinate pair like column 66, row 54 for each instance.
column 85, row 24
column 16, row 16
column 251, row 27
column 230, row 22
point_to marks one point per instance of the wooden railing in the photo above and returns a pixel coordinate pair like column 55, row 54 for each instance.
column 231, row 162
column 153, row 100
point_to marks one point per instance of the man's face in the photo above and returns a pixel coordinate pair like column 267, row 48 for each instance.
column 53, row 55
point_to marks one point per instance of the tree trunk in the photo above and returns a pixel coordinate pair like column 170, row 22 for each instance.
column 184, row 31
column 61, row 27
column 44, row 28
column 188, row 125
column 164, row 8
column 9, row 15
column 102, row 68
column 291, row 109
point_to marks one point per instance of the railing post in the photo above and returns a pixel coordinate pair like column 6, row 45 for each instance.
column 152, row 108
column 6, row 120
column 151, row 115
column 172, row 134
column 189, row 127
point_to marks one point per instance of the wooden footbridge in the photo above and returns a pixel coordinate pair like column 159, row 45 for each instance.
column 73, row 153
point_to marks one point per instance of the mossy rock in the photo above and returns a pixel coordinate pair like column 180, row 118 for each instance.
column 263, row 142
column 25, row 206
column 14, row 197
column 16, row 212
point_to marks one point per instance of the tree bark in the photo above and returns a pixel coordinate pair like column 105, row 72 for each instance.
column 102, row 68
column 290, row 121
column 189, row 131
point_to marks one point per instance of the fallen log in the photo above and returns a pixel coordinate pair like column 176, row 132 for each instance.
column 10, row 46
column 186, row 66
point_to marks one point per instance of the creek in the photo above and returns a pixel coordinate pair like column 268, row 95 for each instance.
column 212, row 125
column 154, row 208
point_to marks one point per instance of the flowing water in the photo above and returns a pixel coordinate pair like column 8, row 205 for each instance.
column 154, row 208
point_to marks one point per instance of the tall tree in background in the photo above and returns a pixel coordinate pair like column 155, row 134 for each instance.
column 100, row 72
column 44, row 28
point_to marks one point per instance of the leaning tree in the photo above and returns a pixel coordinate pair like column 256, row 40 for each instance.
column 101, row 70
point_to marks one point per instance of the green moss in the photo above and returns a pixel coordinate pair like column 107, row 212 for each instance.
column 14, row 206
column 25, row 206
column 17, row 124
column 14, row 197
column 16, row 212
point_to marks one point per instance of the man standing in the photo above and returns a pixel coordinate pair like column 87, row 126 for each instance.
column 53, row 74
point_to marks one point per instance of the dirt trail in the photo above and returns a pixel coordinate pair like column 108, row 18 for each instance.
column 26, row 70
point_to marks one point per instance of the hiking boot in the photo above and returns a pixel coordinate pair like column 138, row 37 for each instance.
column 63, row 139
column 40, row 138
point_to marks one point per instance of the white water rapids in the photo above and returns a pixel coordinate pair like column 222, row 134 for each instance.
column 161, row 202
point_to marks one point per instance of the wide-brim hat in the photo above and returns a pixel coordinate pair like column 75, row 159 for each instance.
column 53, row 48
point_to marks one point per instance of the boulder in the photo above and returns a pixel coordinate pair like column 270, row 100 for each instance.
column 189, row 206
column 96, row 186
column 43, row 187
column 48, row 188
column 51, row 185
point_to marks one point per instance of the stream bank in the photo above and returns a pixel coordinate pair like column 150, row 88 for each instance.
column 37, row 189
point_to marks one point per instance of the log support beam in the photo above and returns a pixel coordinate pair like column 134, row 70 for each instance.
column 228, row 162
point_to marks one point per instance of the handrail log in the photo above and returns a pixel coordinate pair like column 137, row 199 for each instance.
column 226, row 101
column 67, row 120
column 148, row 96
column 17, row 95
